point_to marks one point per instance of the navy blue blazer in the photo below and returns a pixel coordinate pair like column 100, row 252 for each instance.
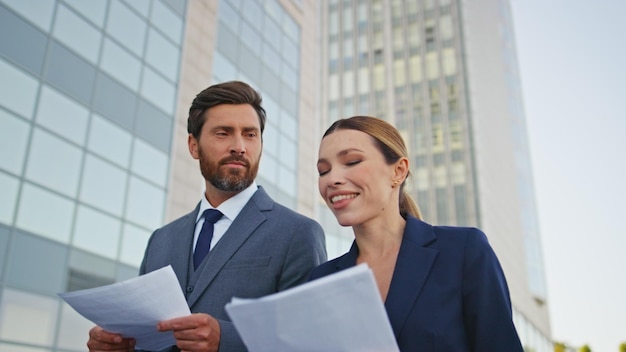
column 448, row 291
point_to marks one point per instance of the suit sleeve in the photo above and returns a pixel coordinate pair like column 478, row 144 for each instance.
column 306, row 251
column 486, row 303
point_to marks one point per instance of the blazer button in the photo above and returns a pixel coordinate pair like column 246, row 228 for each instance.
column 189, row 289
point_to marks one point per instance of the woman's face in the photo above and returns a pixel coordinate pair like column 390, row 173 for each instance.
column 354, row 179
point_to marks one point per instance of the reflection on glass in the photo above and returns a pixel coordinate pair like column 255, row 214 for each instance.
column 120, row 64
column 158, row 91
column 54, row 163
column 13, row 140
column 77, row 34
column 72, row 329
column 149, row 162
column 96, row 232
column 93, row 10
column 162, row 55
column 145, row 204
column 109, row 141
column 62, row 115
column 38, row 13
column 103, row 185
column 45, row 213
column 127, row 27
column 27, row 318
column 167, row 21
column 8, row 189
column 134, row 243
column 17, row 90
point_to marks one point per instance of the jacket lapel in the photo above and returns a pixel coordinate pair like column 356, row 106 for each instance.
column 248, row 220
column 412, row 268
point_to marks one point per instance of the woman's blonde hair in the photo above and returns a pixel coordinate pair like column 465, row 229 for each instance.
column 391, row 145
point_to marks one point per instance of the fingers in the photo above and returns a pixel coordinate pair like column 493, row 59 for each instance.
column 196, row 332
column 101, row 340
column 185, row 323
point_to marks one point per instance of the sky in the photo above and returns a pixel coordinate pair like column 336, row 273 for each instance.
column 572, row 60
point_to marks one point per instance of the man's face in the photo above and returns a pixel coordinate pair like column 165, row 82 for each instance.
column 229, row 147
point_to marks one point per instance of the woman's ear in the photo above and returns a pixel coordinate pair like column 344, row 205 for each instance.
column 401, row 169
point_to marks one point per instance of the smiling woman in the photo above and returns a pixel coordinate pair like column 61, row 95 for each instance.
column 443, row 286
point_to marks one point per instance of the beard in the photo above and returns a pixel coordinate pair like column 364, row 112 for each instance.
column 228, row 179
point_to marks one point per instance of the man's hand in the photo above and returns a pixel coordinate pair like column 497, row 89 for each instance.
column 194, row 333
column 100, row 340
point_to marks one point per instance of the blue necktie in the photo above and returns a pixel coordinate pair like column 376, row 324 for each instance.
column 206, row 234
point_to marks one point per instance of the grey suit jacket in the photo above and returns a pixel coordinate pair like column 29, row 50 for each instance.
column 268, row 248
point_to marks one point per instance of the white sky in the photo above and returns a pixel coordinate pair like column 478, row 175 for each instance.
column 572, row 57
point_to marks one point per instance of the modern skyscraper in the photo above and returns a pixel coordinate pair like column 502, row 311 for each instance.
column 93, row 106
column 445, row 73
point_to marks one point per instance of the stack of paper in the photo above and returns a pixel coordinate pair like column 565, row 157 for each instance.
column 337, row 313
column 133, row 307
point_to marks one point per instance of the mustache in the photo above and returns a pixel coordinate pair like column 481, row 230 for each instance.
column 236, row 159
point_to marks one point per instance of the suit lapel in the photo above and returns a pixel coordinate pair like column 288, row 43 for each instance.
column 250, row 217
column 412, row 268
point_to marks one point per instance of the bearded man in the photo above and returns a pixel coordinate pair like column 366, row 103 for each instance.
column 256, row 246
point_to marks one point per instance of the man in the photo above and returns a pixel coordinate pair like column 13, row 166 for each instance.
column 258, row 246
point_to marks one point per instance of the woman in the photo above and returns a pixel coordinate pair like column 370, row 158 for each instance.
column 443, row 287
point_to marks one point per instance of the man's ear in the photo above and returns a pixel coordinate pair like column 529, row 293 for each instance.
column 192, row 142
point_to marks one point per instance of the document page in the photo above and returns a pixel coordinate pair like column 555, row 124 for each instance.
column 133, row 307
column 337, row 313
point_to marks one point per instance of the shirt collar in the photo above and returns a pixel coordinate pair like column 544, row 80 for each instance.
column 232, row 206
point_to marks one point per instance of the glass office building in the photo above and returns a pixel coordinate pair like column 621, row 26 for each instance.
column 93, row 153
column 444, row 72
column 93, row 142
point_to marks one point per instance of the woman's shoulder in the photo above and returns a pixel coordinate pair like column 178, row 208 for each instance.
column 327, row 268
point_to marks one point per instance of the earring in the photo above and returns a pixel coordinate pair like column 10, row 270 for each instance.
column 395, row 183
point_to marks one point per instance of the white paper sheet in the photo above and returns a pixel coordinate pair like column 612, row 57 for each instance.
column 133, row 307
column 337, row 313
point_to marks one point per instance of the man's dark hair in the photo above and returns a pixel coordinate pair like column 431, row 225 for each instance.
column 232, row 92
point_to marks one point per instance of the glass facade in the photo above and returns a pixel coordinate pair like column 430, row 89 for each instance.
column 87, row 99
column 258, row 42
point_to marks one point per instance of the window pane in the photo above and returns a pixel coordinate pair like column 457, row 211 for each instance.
column 268, row 168
column 36, row 264
column 96, row 232
column 39, row 12
column 54, row 163
column 158, row 91
column 73, row 329
column 167, row 21
column 94, row 10
column 17, row 90
column 77, row 34
column 27, row 318
column 62, row 115
column 120, row 64
column 109, row 141
column 287, row 180
column 162, row 54
column 45, row 213
column 127, row 27
column 145, row 204
column 149, row 162
column 142, row 6
column 134, row 244
column 13, row 140
column 103, row 185
column 8, row 188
